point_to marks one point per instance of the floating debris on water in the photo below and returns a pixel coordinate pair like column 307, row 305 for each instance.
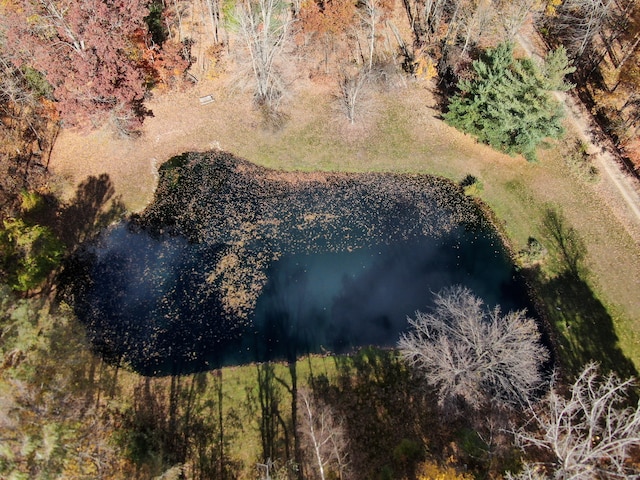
column 232, row 257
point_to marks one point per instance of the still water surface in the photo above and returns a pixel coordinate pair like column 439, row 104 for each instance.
column 235, row 263
column 148, row 301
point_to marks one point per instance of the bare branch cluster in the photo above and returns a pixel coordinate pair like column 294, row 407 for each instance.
column 325, row 437
column 352, row 89
column 471, row 353
column 588, row 434
column 13, row 86
column 513, row 14
column 264, row 27
column 577, row 22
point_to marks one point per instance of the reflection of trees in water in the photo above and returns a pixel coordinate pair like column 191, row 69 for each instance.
column 282, row 329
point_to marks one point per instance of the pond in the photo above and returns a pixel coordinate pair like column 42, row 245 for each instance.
column 233, row 263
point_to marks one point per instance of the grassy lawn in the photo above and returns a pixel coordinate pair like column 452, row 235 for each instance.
column 233, row 401
column 594, row 308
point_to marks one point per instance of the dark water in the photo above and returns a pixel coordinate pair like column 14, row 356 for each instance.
column 324, row 266
column 337, row 301
column 148, row 302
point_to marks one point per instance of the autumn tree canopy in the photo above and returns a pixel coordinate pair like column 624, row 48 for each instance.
column 86, row 51
column 327, row 22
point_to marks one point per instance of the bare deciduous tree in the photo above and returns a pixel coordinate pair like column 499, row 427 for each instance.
column 325, row 436
column 452, row 11
column 373, row 14
column 264, row 27
column 213, row 9
column 469, row 352
column 426, row 21
column 17, row 101
column 528, row 472
column 475, row 19
column 352, row 86
column 514, row 13
column 588, row 435
column 577, row 22
column 370, row 15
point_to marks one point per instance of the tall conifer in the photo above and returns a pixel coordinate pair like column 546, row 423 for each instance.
column 508, row 104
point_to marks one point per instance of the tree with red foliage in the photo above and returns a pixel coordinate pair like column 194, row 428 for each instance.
column 87, row 52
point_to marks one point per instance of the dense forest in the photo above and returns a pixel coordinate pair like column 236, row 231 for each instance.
column 512, row 403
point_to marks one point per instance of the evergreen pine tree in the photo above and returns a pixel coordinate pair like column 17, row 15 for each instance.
column 507, row 105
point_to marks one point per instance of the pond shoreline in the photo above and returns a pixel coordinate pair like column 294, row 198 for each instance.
column 283, row 249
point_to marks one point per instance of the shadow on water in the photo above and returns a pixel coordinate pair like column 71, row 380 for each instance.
column 584, row 329
column 340, row 300
column 146, row 300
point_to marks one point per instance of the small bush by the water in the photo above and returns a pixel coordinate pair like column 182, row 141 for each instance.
column 534, row 253
column 471, row 185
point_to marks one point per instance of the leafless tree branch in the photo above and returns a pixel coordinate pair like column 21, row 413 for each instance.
column 471, row 353
column 264, row 27
column 325, row 437
column 588, row 434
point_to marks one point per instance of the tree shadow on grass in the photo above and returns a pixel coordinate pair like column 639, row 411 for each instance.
column 385, row 410
column 86, row 214
column 583, row 328
column 47, row 229
column 174, row 420
column 94, row 206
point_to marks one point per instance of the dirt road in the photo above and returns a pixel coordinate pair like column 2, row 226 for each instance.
column 617, row 187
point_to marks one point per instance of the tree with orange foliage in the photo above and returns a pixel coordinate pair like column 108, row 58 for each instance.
column 327, row 20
